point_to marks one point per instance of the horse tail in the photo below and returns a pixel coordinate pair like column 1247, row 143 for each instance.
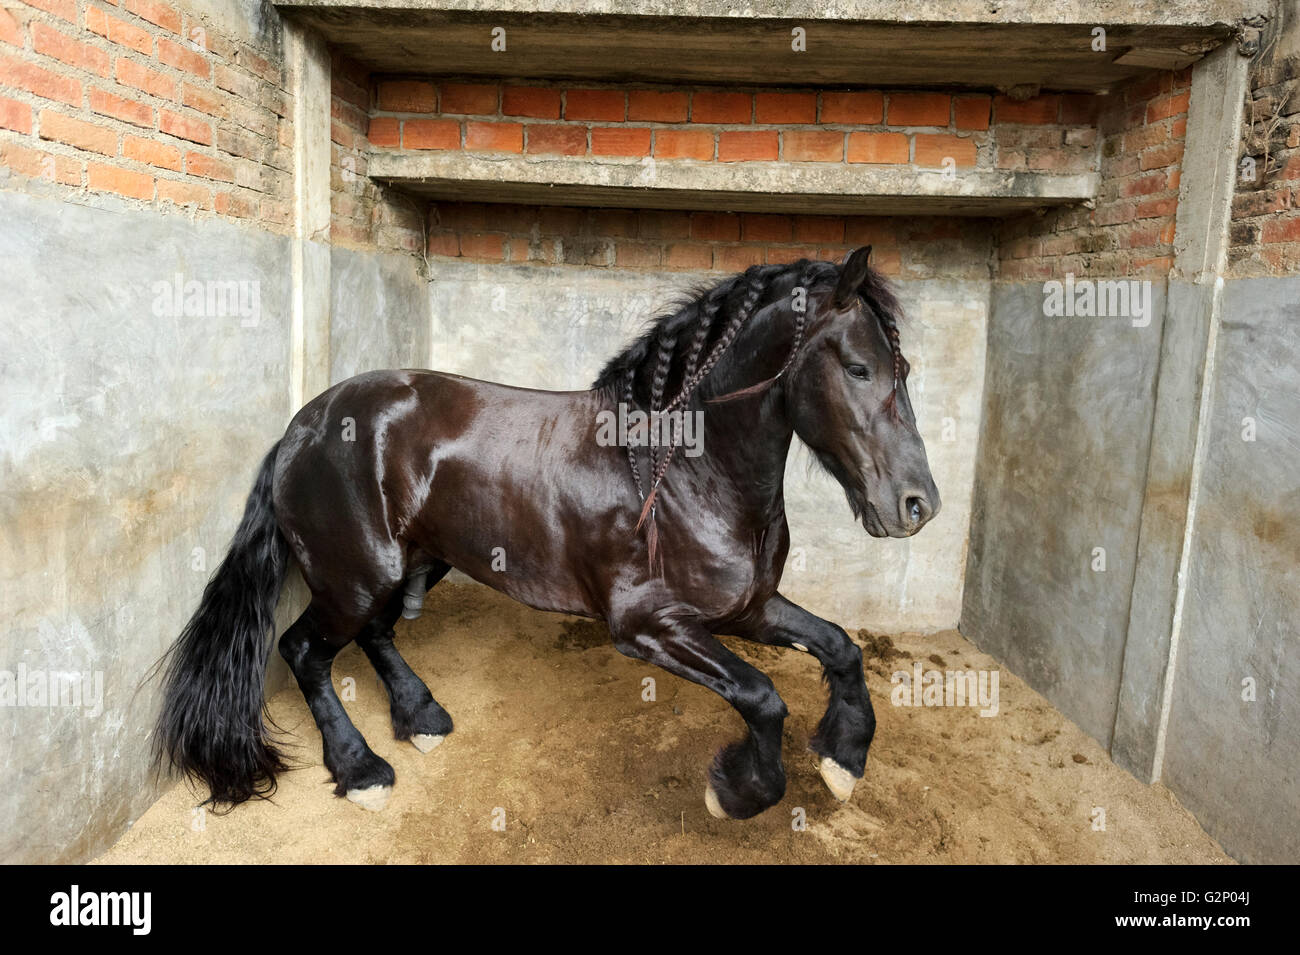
column 213, row 722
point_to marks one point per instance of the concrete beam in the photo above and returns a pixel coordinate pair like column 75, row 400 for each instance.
column 776, row 187
column 309, row 81
column 886, row 43
column 1219, row 85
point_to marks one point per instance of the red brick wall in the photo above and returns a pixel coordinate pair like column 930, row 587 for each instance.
column 144, row 101
column 1130, row 228
column 1266, row 209
column 727, row 126
column 917, row 247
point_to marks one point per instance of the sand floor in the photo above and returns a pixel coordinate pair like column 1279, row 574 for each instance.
column 553, row 737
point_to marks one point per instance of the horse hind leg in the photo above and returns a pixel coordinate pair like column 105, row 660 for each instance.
column 309, row 647
column 416, row 715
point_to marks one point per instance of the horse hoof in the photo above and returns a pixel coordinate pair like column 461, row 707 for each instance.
column 838, row 779
column 373, row 798
column 715, row 807
column 426, row 742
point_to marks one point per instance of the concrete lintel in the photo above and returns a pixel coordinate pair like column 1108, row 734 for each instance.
column 763, row 187
column 309, row 81
column 1219, row 84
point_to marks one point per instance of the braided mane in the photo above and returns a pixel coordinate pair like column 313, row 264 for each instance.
column 667, row 367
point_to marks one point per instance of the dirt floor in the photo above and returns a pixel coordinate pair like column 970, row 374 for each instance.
column 552, row 734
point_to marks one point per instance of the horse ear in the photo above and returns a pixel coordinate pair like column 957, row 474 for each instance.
column 852, row 274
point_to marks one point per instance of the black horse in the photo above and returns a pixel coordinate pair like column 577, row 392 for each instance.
column 388, row 480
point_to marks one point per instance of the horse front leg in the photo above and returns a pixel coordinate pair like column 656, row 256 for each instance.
column 747, row 776
column 844, row 733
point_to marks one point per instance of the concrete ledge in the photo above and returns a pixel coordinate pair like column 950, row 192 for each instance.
column 759, row 187
column 889, row 43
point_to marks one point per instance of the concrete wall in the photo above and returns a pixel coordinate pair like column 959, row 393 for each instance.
column 129, row 438
column 1061, row 471
column 554, row 327
column 1233, row 749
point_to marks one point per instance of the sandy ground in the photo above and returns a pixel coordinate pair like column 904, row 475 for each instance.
column 552, row 735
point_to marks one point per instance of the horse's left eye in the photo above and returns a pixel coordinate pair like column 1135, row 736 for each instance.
column 858, row 371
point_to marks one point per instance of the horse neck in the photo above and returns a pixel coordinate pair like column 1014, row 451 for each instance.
column 747, row 440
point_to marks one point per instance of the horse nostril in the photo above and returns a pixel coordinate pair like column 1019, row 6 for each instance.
column 916, row 510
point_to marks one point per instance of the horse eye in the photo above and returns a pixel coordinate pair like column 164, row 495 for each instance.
column 858, row 371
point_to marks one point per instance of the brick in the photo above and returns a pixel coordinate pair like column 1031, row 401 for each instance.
column 784, row 255
column 884, row 148
column 158, row 14
column 39, row 81
column 686, row 255
column 50, row 42
column 487, row 247
column 201, row 164
column 620, row 223
column 1161, row 156
column 918, row 109
column 642, row 255
column 123, row 182
column 684, row 144
column 534, row 102
column 663, row 224
column 736, row 258
column 153, row 153
column 819, row 229
column 785, row 108
column 40, row 165
column 766, row 228
column 431, row 134
column 932, row 150
column 495, row 137
column 444, row 244
column 715, row 226
column 601, row 105
column 127, row 110
column 1167, row 106
column 1248, row 204
column 1154, row 208
column 183, row 127
column 63, row 9
column 184, row 193
column 561, row 140
column 1281, row 230
column 385, row 131
column 234, row 204
column 407, row 96
column 859, row 109
column 75, row 132
column 972, row 112
column 15, row 115
column 1038, row 110
column 735, row 145
column 812, row 145
column 620, row 141
column 183, row 58
column 1080, row 108
column 130, row 73
column 653, row 106
column 205, row 101
column 10, row 31
column 1145, row 185
column 721, row 107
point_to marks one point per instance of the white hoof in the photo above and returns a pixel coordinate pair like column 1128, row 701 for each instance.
column 426, row 742
column 838, row 779
column 715, row 807
column 373, row 798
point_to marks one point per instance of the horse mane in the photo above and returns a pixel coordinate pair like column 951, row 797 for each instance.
column 677, row 353
column 691, row 328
